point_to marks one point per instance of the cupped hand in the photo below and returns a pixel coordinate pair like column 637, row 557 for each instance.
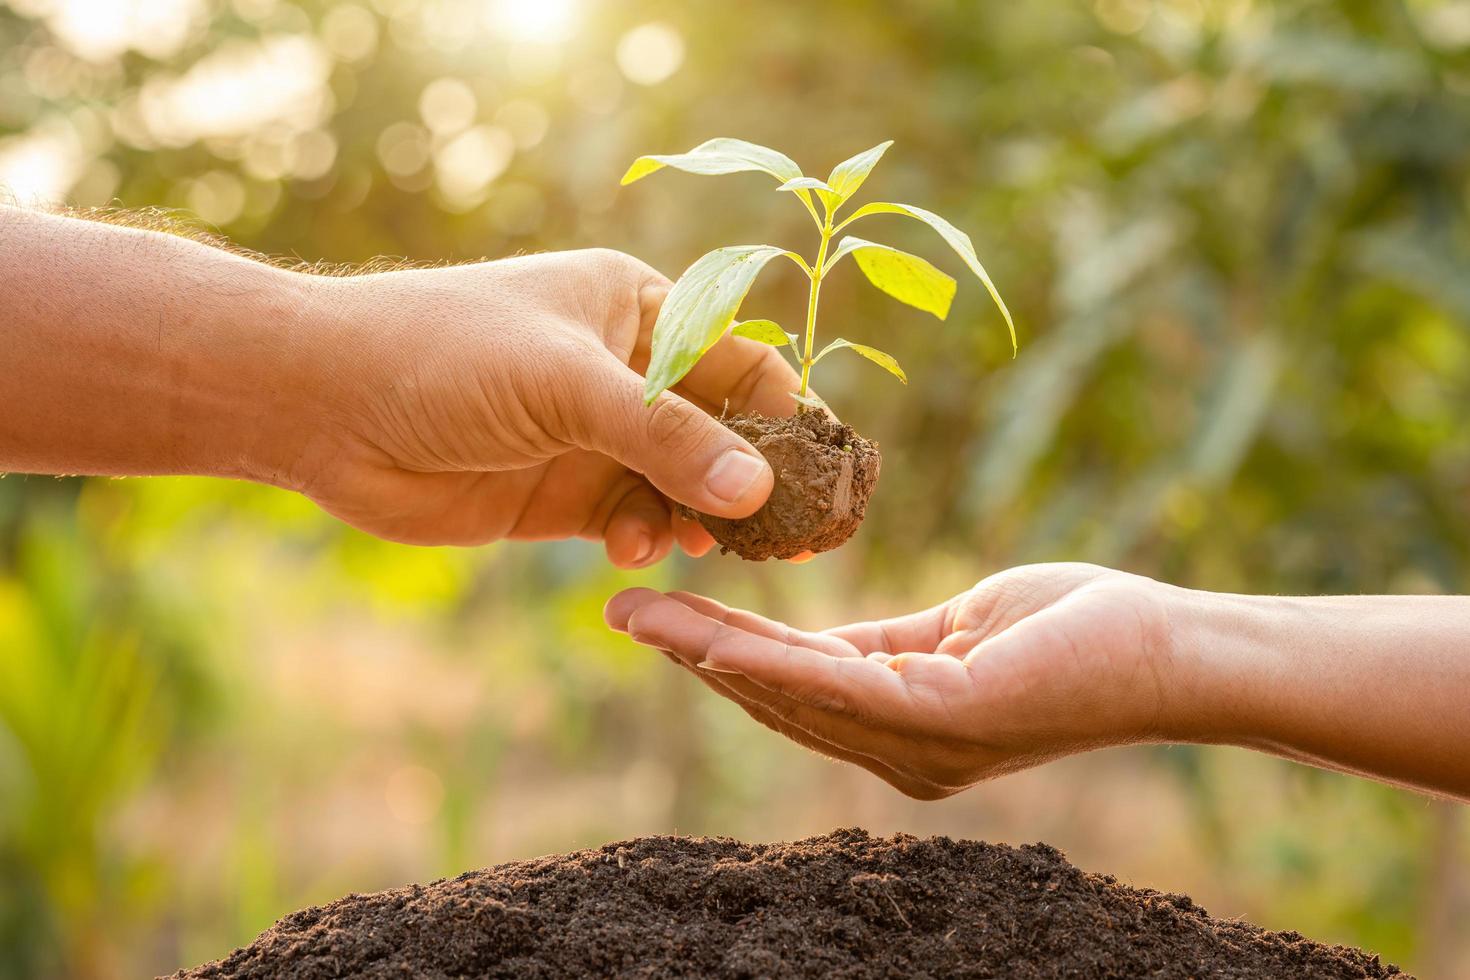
column 504, row 400
column 1029, row 665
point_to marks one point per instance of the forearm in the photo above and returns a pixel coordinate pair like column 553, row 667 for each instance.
column 1376, row 685
column 130, row 352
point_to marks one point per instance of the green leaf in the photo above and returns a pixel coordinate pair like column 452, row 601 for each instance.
column 885, row 361
column 958, row 240
column 765, row 331
column 699, row 309
column 805, row 183
column 718, row 156
column 849, row 175
column 907, row 278
column 801, row 184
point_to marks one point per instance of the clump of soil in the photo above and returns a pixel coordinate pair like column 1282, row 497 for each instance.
column 825, row 473
column 843, row 905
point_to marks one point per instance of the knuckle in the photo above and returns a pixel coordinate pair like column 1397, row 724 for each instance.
column 607, row 260
column 607, row 290
column 624, row 266
column 622, row 273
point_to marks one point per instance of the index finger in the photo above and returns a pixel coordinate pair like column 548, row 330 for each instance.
column 761, row 626
column 852, row 686
column 746, row 374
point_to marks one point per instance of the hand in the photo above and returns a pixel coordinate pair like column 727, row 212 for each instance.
column 1029, row 665
column 432, row 406
column 504, row 400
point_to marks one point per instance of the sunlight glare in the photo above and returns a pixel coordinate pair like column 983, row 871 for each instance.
column 650, row 53
column 466, row 165
column 532, row 21
column 239, row 88
column 99, row 30
column 39, row 167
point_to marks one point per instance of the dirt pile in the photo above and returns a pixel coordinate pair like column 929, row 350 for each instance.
column 843, row 905
column 825, row 473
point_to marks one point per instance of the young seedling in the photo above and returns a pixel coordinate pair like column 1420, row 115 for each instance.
column 823, row 487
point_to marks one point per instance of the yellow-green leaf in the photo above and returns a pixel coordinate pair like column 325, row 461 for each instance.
column 958, row 240
column 798, row 184
column 765, row 331
column 849, row 175
column 699, row 309
column 718, row 156
column 907, row 278
column 805, row 183
column 886, row 361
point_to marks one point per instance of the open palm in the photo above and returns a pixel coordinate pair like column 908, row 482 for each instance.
column 1029, row 665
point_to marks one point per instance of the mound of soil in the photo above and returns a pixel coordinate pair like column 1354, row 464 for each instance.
column 825, row 473
column 843, row 905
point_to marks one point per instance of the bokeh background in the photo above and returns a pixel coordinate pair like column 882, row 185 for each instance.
column 1234, row 236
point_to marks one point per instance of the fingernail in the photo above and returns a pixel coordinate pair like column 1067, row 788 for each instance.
column 645, row 548
column 733, row 474
column 716, row 668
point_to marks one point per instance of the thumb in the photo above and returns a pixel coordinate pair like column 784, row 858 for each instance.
column 688, row 455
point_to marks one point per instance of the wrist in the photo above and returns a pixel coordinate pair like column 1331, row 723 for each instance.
column 285, row 376
column 1226, row 665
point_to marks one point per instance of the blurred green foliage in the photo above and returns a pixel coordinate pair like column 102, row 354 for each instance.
column 1234, row 237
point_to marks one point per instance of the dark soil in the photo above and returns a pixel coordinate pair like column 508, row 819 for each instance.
column 825, row 473
column 844, row 905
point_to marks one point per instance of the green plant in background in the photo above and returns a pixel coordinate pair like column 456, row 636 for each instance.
column 703, row 304
column 91, row 669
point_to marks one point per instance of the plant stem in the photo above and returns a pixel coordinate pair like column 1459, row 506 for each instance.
column 811, row 306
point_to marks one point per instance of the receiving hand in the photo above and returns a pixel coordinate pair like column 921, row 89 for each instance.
column 504, row 400
column 1031, row 664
